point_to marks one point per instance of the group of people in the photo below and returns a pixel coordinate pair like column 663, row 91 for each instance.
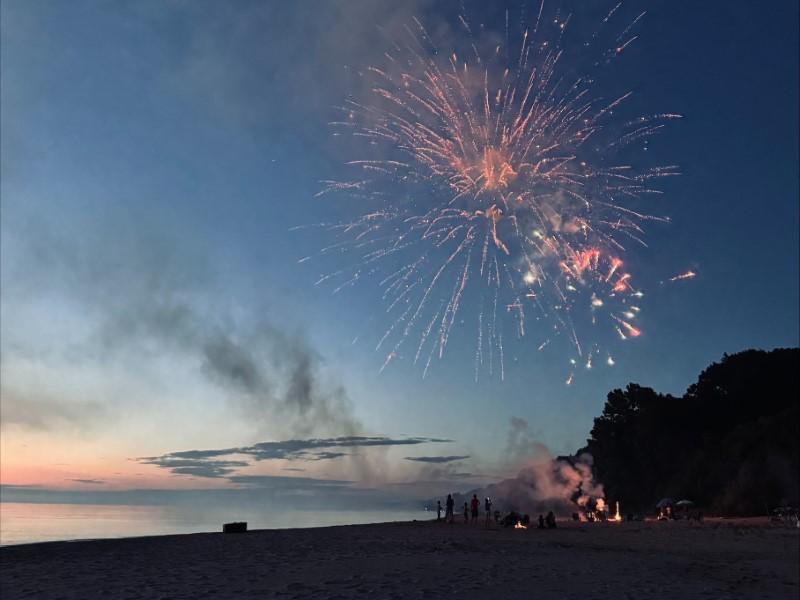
column 548, row 522
column 472, row 512
column 470, row 509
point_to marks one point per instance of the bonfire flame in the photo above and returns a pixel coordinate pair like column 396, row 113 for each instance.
column 600, row 509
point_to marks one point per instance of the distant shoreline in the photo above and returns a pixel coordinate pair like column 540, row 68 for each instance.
column 748, row 558
column 732, row 521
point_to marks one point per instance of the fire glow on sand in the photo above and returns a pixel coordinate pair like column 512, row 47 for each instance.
column 499, row 188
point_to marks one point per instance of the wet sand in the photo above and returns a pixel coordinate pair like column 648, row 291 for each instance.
column 750, row 558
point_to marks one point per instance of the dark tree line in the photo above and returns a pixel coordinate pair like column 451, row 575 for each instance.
column 730, row 443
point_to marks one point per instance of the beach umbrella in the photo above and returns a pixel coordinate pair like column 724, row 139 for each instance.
column 665, row 503
column 684, row 503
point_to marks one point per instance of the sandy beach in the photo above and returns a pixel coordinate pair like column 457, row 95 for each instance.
column 728, row 559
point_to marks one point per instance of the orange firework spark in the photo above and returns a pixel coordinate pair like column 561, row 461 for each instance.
column 486, row 184
column 687, row 275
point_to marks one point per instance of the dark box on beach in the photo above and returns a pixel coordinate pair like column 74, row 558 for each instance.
column 234, row 527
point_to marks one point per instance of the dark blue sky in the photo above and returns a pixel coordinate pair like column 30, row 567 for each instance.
column 156, row 157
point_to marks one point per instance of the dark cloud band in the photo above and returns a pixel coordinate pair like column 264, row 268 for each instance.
column 208, row 463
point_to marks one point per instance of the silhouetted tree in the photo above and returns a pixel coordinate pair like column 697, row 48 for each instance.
column 730, row 443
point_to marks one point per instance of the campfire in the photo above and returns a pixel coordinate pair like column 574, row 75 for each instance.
column 515, row 520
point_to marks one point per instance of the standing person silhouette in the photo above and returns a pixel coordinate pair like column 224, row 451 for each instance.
column 466, row 513
column 488, row 507
column 475, row 505
column 550, row 520
column 450, row 504
column 438, row 510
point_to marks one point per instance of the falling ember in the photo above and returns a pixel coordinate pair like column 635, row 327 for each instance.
column 628, row 327
column 487, row 194
column 614, row 266
column 687, row 275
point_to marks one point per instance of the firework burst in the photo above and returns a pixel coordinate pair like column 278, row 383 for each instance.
column 496, row 181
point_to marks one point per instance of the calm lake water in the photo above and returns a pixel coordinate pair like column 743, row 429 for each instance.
column 25, row 523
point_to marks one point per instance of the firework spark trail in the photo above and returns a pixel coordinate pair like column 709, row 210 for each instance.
column 480, row 166
column 687, row 275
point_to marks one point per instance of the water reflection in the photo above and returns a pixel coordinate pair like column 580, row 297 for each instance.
column 22, row 523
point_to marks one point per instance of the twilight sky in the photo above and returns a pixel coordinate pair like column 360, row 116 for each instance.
column 159, row 331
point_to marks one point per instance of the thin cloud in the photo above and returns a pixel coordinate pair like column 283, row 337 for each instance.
column 21, row 486
column 289, row 483
column 327, row 455
column 89, row 481
column 436, row 459
column 196, row 467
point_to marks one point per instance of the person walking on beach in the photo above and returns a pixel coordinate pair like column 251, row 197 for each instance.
column 448, row 514
column 466, row 513
column 438, row 510
column 488, row 507
column 475, row 505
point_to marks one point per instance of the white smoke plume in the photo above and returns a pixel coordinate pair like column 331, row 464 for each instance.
column 563, row 485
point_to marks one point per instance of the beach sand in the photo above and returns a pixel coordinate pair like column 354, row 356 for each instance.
column 728, row 559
